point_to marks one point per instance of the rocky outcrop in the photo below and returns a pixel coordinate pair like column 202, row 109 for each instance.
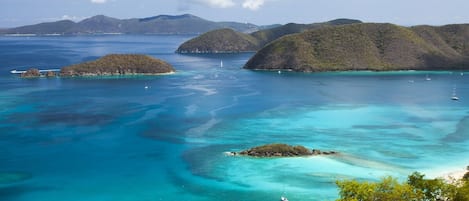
column 33, row 72
column 51, row 74
column 119, row 64
column 282, row 150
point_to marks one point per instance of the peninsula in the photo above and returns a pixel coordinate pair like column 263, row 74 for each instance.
column 119, row 64
column 220, row 41
column 367, row 46
column 282, row 150
column 228, row 40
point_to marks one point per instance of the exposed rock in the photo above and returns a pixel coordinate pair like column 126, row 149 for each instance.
column 33, row 72
column 51, row 74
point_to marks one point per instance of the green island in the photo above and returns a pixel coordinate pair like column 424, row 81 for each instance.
column 367, row 46
column 109, row 65
column 282, row 150
column 229, row 41
column 119, row 64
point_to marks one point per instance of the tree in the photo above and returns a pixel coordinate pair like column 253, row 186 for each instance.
column 386, row 189
column 416, row 188
column 432, row 189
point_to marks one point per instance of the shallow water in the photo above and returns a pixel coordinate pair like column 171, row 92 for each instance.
column 109, row 138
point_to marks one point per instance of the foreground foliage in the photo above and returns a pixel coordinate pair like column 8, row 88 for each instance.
column 416, row 188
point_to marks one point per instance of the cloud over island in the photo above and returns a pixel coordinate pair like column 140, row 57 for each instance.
column 247, row 4
column 253, row 4
column 98, row 1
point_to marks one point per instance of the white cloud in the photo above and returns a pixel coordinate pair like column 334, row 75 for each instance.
column 73, row 18
column 98, row 1
column 253, row 4
column 247, row 4
column 218, row 3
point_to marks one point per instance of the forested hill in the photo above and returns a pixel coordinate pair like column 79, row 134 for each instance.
column 368, row 46
column 223, row 41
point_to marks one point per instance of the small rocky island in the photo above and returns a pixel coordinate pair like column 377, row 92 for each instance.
column 34, row 72
column 119, row 64
column 282, row 150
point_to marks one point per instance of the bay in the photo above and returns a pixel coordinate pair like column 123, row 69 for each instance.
column 109, row 138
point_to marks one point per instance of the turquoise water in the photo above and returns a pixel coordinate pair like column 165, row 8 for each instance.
column 109, row 138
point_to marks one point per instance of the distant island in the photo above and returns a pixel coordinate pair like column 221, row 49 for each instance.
column 119, row 64
column 161, row 24
column 228, row 40
column 367, row 46
column 220, row 41
column 281, row 150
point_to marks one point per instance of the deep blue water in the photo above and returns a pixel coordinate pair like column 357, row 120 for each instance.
column 109, row 138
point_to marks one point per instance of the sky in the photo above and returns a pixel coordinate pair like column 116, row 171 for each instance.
column 15, row 13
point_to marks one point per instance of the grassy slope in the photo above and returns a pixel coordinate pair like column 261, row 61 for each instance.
column 365, row 47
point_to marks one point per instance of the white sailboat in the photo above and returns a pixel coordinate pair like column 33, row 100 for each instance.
column 221, row 64
column 454, row 96
column 428, row 78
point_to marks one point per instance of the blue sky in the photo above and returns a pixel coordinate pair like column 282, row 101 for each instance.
column 262, row 12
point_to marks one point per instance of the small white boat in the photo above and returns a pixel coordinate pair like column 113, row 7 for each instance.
column 454, row 96
column 221, row 64
column 428, row 78
column 17, row 71
column 146, row 87
column 279, row 72
column 283, row 198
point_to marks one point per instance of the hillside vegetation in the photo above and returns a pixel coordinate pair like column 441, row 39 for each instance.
column 226, row 40
column 220, row 41
column 119, row 64
column 367, row 46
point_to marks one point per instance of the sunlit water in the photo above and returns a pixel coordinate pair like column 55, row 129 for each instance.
column 109, row 138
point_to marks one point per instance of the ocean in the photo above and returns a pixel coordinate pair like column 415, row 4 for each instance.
column 110, row 138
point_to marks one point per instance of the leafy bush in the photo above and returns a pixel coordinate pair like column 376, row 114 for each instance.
column 416, row 188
